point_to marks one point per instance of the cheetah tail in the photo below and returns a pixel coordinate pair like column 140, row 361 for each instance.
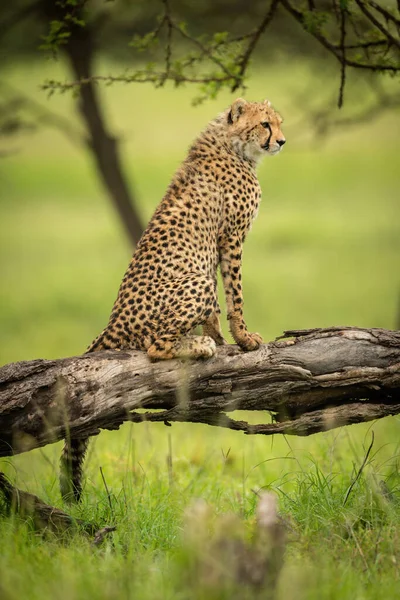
column 71, row 465
column 73, row 453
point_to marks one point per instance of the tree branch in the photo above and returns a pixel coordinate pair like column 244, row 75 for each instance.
column 79, row 48
column 386, row 13
column 343, row 52
column 377, row 24
column 323, row 120
column 45, row 115
column 136, row 77
column 333, row 48
column 221, row 61
column 43, row 516
column 321, row 379
column 46, row 518
column 244, row 61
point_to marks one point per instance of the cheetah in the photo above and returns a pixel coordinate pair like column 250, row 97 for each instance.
column 170, row 286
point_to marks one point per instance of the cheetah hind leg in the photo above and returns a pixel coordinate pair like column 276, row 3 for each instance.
column 212, row 328
column 171, row 346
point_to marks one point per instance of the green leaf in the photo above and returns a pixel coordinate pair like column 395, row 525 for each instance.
column 221, row 37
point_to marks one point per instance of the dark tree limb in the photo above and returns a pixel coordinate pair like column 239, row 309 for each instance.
column 317, row 380
column 377, row 23
column 44, row 517
column 80, row 50
column 103, row 145
column 253, row 41
column 41, row 113
column 334, row 49
column 47, row 518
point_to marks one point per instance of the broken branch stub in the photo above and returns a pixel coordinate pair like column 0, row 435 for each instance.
column 316, row 380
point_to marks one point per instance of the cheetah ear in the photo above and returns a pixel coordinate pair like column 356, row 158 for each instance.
column 268, row 103
column 237, row 109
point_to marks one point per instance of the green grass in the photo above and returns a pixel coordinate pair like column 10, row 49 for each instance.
column 324, row 250
column 350, row 551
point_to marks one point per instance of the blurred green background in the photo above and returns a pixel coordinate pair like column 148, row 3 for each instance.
column 323, row 251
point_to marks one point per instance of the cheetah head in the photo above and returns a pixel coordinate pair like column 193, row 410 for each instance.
column 254, row 129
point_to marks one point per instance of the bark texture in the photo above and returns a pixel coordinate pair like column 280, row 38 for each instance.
column 316, row 380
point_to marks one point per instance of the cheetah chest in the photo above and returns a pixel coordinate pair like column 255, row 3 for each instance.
column 241, row 205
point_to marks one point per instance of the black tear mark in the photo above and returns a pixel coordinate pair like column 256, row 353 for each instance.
column 266, row 145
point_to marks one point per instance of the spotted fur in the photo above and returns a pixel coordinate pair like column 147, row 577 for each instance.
column 170, row 286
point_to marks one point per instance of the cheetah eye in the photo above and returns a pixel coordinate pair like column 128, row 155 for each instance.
column 266, row 125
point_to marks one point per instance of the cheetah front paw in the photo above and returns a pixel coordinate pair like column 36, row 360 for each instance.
column 249, row 341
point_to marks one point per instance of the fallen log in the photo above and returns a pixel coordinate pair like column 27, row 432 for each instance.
column 43, row 517
column 46, row 518
column 309, row 381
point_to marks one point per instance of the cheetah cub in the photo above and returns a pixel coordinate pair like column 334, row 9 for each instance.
column 170, row 286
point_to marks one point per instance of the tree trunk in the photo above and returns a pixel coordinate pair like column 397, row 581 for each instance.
column 103, row 145
column 320, row 379
column 79, row 50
